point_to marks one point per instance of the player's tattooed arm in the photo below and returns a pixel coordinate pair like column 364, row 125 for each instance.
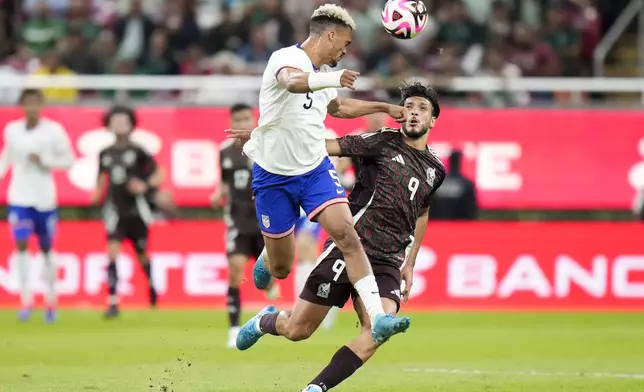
column 410, row 262
column 352, row 108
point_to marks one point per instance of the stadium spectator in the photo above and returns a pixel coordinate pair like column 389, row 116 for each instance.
column 195, row 62
column 587, row 21
column 51, row 66
column 270, row 14
column 159, row 59
column 79, row 19
column 499, row 24
column 257, row 52
column 224, row 36
column 181, row 25
column 565, row 41
column 41, row 31
column 496, row 66
column 534, row 58
column 76, row 54
column 366, row 15
column 132, row 32
column 456, row 29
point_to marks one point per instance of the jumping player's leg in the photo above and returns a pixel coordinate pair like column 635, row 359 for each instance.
column 22, row 226
column 321, row 292
column 276, row 206
column 326, row 201
column 45, row 228
column 354, row 354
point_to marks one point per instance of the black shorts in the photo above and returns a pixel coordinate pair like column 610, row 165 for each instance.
column 329, row 285
column 132, row 228
column 245, row 244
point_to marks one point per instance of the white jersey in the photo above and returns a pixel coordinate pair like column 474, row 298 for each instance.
column 289, row 139
column 32, row 184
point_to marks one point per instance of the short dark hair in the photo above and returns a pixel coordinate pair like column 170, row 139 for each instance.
column 320, row 23
column 30, row 92
column 238, row 107
column 417, row 89
column 120, row 109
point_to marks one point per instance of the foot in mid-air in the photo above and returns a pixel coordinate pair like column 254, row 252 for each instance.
column 111, row 312
column 250, row 333
column 50, row 315
column 233, row 332
column 386, row 326
column 261, row 275
column 154, row 298
column 25, row 314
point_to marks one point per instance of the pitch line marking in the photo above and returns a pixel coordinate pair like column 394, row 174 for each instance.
column 533, row 373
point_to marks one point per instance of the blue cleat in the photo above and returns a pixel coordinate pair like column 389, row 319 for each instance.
column 50, row 316
column 386, row 326
column 261, row 276
column 250, row 333
column 25, row 314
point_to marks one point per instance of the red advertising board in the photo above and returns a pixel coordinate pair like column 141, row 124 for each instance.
column 502, row 266
column 551, row 159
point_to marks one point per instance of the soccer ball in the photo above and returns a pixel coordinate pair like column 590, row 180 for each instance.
column 404, row 19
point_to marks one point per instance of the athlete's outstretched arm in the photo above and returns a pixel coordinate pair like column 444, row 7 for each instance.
column 410, row 262
column 299, row 82
column 352, row 108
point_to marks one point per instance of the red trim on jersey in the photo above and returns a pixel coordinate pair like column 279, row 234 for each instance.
column 324, row 205
column 286, row 66
column 278, row 235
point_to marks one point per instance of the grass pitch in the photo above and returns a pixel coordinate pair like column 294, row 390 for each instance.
column 183, row 351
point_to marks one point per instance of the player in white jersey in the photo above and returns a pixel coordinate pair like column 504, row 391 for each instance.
column 34, row 146
column 292, row 168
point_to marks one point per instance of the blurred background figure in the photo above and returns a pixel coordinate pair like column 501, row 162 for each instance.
column 456, row 198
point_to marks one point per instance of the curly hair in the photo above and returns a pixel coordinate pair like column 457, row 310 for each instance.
column 417, row 89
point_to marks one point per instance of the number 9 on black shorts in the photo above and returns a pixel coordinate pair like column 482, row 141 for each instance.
column 329, row 285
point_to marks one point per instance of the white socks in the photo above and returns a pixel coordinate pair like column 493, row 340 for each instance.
column 367, row 289
column 26, row 296
column 49, row 274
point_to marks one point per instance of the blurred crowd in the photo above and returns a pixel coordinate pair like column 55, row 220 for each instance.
column 509, row 38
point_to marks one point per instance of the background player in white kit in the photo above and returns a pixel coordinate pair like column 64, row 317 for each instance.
column 33, row 147
column 292, row 168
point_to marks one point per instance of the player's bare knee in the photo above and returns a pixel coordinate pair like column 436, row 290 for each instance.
column 280, row 271
column 298, row 332
column 346, row 238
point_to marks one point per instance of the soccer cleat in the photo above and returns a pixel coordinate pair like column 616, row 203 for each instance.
column 50, row 315
column 386, row 326
column 250, row 333
column 111, row 312
column 313, row 388
column 25, row 314
column 233, row 332
column 261, row 276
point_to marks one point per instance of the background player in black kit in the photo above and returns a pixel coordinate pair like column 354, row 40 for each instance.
column 244, row 239
column 127, row 172
column 398, row 174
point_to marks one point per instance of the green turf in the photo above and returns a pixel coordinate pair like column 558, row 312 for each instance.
column 184, row 352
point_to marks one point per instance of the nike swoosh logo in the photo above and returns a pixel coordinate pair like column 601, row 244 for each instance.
column 339, row 191
column 374, row 292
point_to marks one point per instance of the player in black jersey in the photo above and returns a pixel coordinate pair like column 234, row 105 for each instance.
column 244, row 239
column 127, row 172
column 397, row 176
